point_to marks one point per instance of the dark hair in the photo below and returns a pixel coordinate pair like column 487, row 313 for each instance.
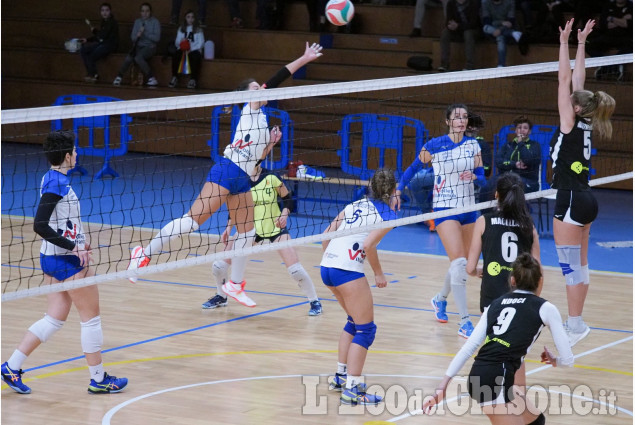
column 511, row 201
column 526, row 272
column 475, row 121
column 195, row 25
column 520, row 119
column 106, row 5
column 244, row 84
column 146, row 4
column 58, row 144
column 382, row 184
column 454, row 106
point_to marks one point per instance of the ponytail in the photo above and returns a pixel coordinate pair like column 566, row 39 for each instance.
column 511, row 201
column 599, row 107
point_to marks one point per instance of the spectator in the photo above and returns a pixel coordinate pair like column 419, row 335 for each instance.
column 420, row 11
column 176, row 12
column 615, row 32
column 525, row 6
column 474, row 125
column 550, row 15
column 461, row 23
column 145, row 35
column 521, row 156
column 499, row 18
column 234, row 12
column 189, row 45
column 103, row 42
column 317, row 19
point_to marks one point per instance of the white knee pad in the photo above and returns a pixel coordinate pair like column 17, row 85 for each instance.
column 298, row 273
column 458, row 274
column 569, row 259
column 92, row 335
column 219, row 269
column 244, row 240
column 44, row 328
column 187, row 223
column 585, row 275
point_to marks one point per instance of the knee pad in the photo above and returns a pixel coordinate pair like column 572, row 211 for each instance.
column 540, row 420
column 188, row 225
column 458, row 274
column 92, row 335
column 365, row 334
column 585, row 275
column 245, row 239
column 569, row 259
column 298, row 273
column 219, row 269
column 44, row 328
column 349, row 327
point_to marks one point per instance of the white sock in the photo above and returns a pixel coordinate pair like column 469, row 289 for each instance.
column 16, row 360
column 445, row 290
column 243, row 240
column 575, row 323
column 219, row 270
column 352, row 381
column 517, row 35
column 299, row 274
column 341, row 368
column 172, row 230
column 97, row 372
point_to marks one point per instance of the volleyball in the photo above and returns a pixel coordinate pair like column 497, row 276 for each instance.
column 339, row 12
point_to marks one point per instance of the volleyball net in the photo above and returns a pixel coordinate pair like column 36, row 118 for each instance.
column 142, row 163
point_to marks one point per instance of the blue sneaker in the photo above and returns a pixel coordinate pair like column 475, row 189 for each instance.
column 357, row 395
column 13, row 379
column 110, row 384
column 215, row 302
column 316, row 308
column 337, row 382
column 439, row 310
column 466, row 329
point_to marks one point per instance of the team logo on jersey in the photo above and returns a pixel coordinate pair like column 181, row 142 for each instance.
column 356, row 215
column 494, row 268
column 356, row 254
column 439, row 182
column 577, row 167
column 70, row 232
column 241, row 144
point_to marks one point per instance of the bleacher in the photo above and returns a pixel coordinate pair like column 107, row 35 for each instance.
column 37, row 70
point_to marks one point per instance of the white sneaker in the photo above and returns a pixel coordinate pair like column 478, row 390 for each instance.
column 576, row 336
column 173, row 82
column 117, row 81
column 137, row 260
column 152, row 82
column 237, row 292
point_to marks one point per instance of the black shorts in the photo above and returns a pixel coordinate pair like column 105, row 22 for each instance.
column 273, row 238
column 491, row 383
column 575, row 207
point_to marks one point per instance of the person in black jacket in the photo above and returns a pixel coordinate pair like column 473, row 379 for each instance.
column 521, row 156
column 462, row 23
column 103, row 42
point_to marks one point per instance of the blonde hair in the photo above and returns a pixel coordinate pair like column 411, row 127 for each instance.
column 382, row 184
column 598, row 106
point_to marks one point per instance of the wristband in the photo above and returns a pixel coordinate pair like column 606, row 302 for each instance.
column 480, row 181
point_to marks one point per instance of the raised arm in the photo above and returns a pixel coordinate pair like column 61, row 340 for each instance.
column 579, row 71
column 565, row 108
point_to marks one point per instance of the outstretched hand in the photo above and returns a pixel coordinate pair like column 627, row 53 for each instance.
column 565, row 32
column 548, row 358
column 584, row 33
column 313, row 51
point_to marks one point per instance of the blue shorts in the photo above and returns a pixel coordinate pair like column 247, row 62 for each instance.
column 463, row 219
column 230, row 176
column 61, row 267
column 336, row 277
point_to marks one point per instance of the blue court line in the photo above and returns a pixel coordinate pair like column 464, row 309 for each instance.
column 121, row 347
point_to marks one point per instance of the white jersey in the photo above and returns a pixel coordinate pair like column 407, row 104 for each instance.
column 66, row 218
column 347, row 252
column 250, row 140
column 449, row 160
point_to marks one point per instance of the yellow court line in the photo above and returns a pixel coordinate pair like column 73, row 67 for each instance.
column 231, row 353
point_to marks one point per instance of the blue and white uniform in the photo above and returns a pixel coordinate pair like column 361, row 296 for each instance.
column 449, row 160
column 347, row 252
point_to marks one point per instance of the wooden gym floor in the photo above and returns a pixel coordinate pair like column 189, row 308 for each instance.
column 268, row 365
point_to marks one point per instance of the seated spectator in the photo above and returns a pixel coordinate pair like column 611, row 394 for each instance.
column 189, row 46
column 615, row 32
column 521, row 156
column 525, row 7
column 176, row 12
column 420, row 11
column 103, row 42
column 462, row 22
column 550, row 17
column 234, row 14
column 145, row 35
column 499, row 18
column 475, row 124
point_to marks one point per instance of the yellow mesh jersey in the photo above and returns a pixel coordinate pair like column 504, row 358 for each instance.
column 266, row 208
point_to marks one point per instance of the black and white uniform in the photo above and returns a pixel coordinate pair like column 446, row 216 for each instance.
column 507, row 329
column 571, row 156
column 501, row 242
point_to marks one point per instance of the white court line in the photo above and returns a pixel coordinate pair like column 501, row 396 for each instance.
column 531, row 372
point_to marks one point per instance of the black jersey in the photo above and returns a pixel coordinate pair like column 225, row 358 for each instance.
column 513, row 324
column 502, row 241
column 571, row 155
